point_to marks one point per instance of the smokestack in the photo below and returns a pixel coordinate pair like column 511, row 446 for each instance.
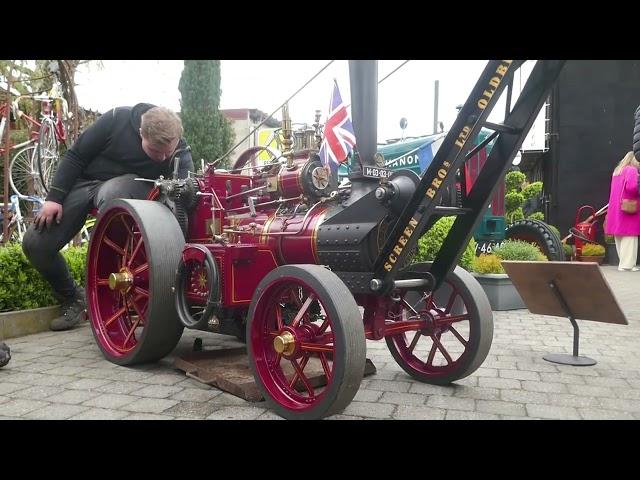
column 364, row 107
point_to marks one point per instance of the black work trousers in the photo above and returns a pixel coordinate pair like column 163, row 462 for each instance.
column 43, row 248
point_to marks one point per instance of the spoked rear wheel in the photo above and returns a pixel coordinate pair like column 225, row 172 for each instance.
column 133, row 255
column 249, row 161
column 456, row 328
column 23, row 174
column 306, row 343
column 48, row 153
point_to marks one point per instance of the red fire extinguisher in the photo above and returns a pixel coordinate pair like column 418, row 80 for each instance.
column 587, row 228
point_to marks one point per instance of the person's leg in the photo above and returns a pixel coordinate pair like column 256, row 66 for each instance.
column 43, row 248
column 634, row 251
column 627, row 248
column 43, row 251
column 124, row 186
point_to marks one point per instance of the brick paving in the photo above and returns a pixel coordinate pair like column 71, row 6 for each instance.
column 63, row 375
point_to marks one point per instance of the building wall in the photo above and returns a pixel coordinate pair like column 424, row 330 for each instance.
column 591, row 129
column 243, row 123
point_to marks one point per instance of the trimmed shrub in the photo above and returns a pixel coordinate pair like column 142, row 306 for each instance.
column 519, row 250
column 431, row 242
column 22, row 287
column 537, row 216
column 513, row 181
column 487, row 264
column 532, row 190
column 513, row 201
column 592, row 250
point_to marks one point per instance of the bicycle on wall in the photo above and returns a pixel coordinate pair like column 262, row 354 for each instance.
column 51, row 134
column 36, row 160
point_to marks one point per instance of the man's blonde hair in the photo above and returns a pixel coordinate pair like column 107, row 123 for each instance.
column 628, row 159
column 161, row 126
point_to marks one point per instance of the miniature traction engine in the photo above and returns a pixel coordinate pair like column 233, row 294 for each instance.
column 303, row 269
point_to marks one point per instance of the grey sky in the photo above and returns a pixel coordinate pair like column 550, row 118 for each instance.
column 265, row 84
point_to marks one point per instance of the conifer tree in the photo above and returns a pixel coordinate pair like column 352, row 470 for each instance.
column 206, row 130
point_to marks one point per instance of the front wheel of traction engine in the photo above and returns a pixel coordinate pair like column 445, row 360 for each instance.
column 456, row 328
column 131, row 263
column 306, row 342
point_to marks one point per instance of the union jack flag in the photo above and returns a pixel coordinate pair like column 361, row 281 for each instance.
column 339, row 138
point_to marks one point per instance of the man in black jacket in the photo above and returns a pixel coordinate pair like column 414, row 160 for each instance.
column 123, row 144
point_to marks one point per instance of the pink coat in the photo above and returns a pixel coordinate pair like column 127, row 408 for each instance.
column 618, row 222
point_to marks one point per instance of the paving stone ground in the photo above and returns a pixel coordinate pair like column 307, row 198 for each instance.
column 63, row 375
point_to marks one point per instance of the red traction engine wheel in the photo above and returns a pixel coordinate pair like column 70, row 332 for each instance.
column 455, row 328
column 133, row 256
column 306, row 342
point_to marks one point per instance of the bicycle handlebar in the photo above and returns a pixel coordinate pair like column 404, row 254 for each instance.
column 15, row 107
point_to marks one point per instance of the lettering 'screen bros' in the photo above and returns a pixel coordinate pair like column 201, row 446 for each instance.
column 441, row 174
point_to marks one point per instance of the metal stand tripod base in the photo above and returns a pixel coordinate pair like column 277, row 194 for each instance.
column 566, row 359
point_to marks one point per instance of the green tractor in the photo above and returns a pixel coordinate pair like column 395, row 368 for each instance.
column 416, row 154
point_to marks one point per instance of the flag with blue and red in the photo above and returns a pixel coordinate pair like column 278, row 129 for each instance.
column 339, row 138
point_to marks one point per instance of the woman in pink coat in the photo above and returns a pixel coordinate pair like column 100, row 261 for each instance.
column 625, row 227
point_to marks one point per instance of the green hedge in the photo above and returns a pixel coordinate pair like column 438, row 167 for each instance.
column 22, row 287
column 430, row 243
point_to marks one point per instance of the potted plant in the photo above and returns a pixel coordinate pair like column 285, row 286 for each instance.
column 497, row 285
column 592, row 252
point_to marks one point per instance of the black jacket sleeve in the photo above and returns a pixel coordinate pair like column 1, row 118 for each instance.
column 636, row 134
column 185, row 162
column 91, row 142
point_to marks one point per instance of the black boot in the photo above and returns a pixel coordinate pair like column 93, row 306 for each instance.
column 5, row 354
column 74, row 311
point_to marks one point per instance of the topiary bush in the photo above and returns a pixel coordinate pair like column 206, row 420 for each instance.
column 532, row 190
column 22, row 287
column 513, row 201
column 513, row 181
column 431, row 242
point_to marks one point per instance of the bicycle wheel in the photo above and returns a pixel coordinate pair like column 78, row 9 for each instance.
column 23, row 175
column 48, row 155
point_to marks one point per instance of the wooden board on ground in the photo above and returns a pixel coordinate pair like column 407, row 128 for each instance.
column 228, row 370
column 582, row 285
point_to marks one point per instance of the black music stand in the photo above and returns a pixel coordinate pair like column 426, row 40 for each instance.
column 576, row 290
